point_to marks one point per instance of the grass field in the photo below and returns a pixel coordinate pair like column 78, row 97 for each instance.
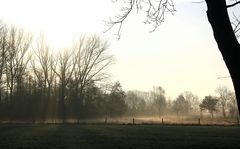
column 118, row 136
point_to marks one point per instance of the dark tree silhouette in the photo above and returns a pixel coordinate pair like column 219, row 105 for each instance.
column 225, row 37
column 209, row 103
column 116, row 105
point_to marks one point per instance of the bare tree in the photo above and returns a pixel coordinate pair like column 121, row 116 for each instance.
column 65, row 66
column 193, row 102
column 17, row 59
column 159, row 100
column 91, row 61
column 43, row 65
column 3, row 55
column 224, row 95
column 136, row 103
column 46, row 65
column 232, row 105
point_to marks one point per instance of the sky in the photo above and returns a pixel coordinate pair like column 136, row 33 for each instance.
column 181, row 55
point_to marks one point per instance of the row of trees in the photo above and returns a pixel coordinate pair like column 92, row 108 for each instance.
column 156, row 103
column 38, row 84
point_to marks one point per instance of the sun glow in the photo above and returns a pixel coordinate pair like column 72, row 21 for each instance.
column 60, row 20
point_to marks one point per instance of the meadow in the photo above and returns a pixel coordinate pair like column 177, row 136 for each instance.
column 116, row 136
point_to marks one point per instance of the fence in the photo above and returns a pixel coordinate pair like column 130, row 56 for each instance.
column 167, row 120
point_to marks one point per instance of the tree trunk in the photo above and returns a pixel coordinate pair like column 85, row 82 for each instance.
column 80, row 104
column 62, row 110
column 211, row 113
column 226, row 40
column 0, row 98
column 224, row 111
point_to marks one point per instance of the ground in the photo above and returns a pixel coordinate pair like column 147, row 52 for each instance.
column 102, row 136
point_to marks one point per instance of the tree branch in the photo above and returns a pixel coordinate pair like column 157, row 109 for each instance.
column 232, row 5
column 155, row 11
column 236, row 25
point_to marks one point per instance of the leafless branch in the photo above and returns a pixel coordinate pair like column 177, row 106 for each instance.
column 199, row 2
column 155, row 13
column 232, row 5
column 236, row 25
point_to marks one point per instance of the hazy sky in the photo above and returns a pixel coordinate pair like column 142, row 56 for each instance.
column 181, row 55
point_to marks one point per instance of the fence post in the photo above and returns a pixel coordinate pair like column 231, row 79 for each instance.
column 199, row 121
column 133, row 121
column 162, row 121
column 106, row 120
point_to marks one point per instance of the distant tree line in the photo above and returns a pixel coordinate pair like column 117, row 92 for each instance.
column 155, row 103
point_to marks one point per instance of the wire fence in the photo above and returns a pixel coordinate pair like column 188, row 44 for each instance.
column 165, row 120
